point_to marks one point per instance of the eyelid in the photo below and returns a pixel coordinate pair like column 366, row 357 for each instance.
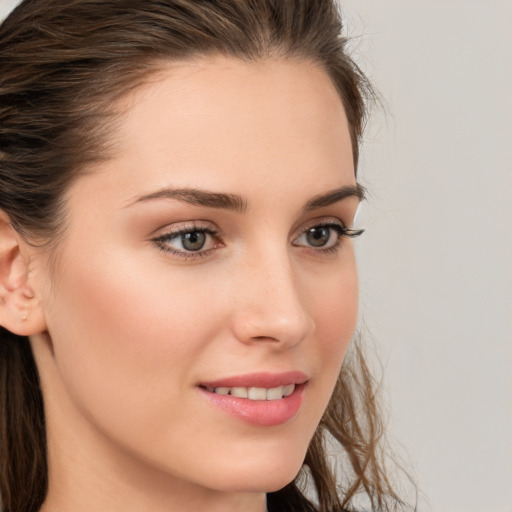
column 185, row 226
column 174, row 231
column 329, row 222
column 317, row 221
column 322, row 221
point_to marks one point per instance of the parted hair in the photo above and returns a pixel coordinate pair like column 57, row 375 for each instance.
column 64, row 66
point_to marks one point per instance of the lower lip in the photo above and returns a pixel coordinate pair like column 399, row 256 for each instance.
column 262, row 413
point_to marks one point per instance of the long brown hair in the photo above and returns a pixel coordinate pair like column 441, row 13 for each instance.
column 64, row 64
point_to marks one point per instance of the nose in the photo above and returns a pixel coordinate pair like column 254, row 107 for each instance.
column 268, row 306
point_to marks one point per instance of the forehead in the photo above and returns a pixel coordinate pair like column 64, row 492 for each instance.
column 230, row 124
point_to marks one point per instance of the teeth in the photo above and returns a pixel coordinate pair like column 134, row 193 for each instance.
column 288, row 390
column 275, row 393
column 256, row 393
column 239, row 392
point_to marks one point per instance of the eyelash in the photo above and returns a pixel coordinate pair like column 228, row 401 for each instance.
column 339, row 228
column 161, row 241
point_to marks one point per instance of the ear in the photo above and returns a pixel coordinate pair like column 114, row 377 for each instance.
column 20, row 309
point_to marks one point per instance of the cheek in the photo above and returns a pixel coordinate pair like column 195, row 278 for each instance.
column 332, row 300
column 127, row 338
column 335, row 311
column 127, row 347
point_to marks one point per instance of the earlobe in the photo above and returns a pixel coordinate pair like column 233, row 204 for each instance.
column 20, row 310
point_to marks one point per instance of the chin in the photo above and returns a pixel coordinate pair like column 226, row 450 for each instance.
column 260, row 483
column 270, row 476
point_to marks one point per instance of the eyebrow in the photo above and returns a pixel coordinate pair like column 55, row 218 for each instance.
column 199, row 198
column 333, row 196
column 238, row 204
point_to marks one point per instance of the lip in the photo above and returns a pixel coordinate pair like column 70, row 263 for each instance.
column 261, row 413
column 258, row 380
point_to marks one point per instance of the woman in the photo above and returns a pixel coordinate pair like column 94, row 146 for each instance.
column 178, row 283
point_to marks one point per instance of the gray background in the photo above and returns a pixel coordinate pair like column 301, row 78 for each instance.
column 436, row 261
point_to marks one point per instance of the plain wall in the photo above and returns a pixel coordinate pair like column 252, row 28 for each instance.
column 436, row 260
column 6, row 6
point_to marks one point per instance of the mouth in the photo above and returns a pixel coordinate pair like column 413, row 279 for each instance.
column 261, row 399
column 254, row 393
column 262, row 380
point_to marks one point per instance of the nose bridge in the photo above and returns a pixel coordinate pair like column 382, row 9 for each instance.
column 269, row 301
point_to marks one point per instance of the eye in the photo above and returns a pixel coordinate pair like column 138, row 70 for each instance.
column 188, row 241
column 325, row 236
column 193, row 240
column 320, row 236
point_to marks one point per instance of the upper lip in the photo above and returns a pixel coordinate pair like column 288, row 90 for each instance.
column 258, row 380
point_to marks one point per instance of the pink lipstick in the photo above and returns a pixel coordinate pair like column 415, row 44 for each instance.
column 262, row 399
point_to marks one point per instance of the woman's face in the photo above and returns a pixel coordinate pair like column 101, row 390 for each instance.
column 207, row 257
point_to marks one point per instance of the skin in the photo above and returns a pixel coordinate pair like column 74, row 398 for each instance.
column 124, row 331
